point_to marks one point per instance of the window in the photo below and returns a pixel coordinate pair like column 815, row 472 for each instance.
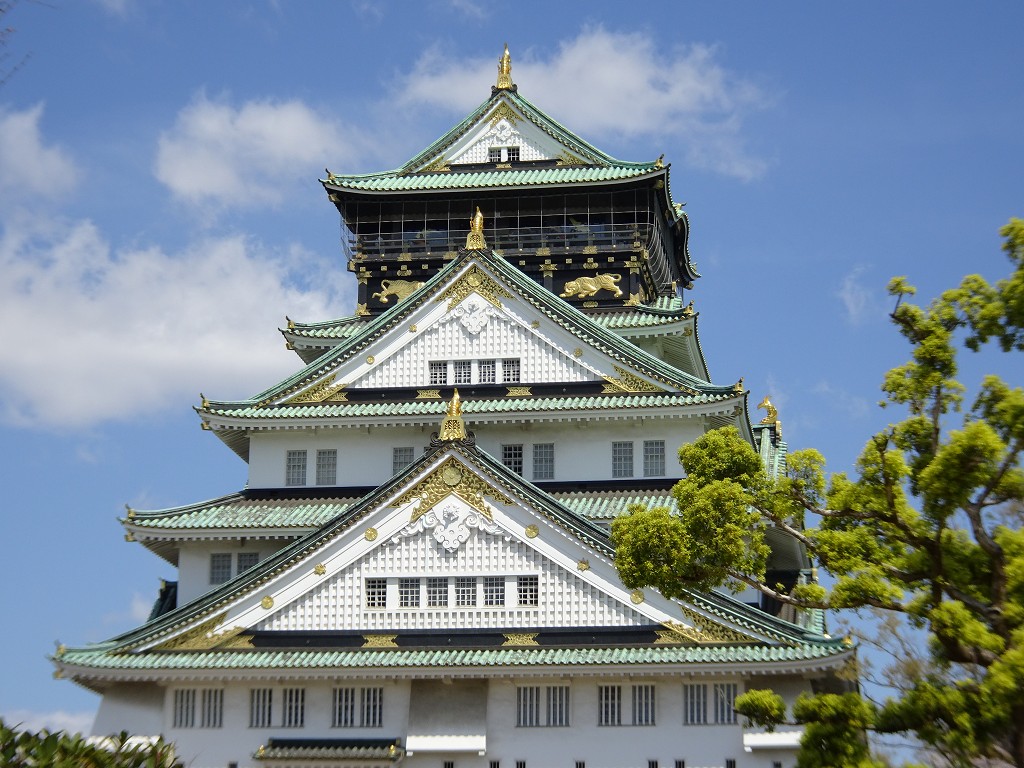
column 372, row 707
column 486, row 371
column 327, row 467
column 510, row 370
column 494, row 590
column 725, row 700
column 449, row 764
column 401, row 458
column 261, row 705
column 220, row 567
column 558, row 706
column 730, row 763
column 512, row 457
column 408, row 593
column 622, row 459
column 247, row 560
column 543, row 461
column 294, row 706
column 695, row 704
column 438, row 371
column 528, row 588
column 376, row 593
column 437, row 592
column 495, row 764
column 652, row 764
column 654, row 458
column 465, row 591
column 513, row 154
column 295, row 468
column 212, row 715
column 520, row 764
column 184, row 708
column 463, row 370
column 777, row 764
column 680, row 764
column 344, row 706
column 643, row 705
column 494, row 155
column 581, row 764
column 528, row 706
column 609, row 705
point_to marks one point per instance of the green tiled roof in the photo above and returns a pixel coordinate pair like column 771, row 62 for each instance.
column 237, row 511
column 608, row 505
column 330, row 749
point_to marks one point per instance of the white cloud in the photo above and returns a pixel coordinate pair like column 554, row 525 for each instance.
column 109, row 334
column 856, row 298
column 245, row 156
column 854, row 406
column 643, row 91
column 28, row 167
column 59, row 720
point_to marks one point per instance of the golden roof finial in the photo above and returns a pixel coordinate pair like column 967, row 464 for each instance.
column 504, row 71
column 773, row 412
column 475, row 238
column 452, row 427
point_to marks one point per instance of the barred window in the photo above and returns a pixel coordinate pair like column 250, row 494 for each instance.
column 261, row 707
column 494, row 155
column 494, row 590
column 643, row 705
column 486, row 371
column 695, row 704
column 295, row 468
column 510, row 370
column 438, row 371
column 513, row 154
column 652, row 764
column 376, row 593
column 184, row 708
column 558, row 706
column 622, row 459
column 212, row 715
column 372, row 707
column 528, row 588
column 247, row 560
column 327, row 466
column 294, row 708
column 543, row 461
column 437, row 592
column 654, row 458
column 512, row 457
column 609, row 705
column 465, row 591
column 463, row 371
column 528, row 706
column 220, row 567
column 401, row 458
column 725, row 701
column 730, row 763
column 408, row 593
column 344, row 708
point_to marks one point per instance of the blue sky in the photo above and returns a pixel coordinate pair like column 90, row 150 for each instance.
column 160, row 214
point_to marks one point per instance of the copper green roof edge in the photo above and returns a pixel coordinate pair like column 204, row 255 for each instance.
column 103, row 658
column 390, row 752
column 489, row 179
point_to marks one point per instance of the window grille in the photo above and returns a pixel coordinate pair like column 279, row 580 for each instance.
column 495, row 764
column 520, row 764
column 294, row 707
column 376, row 593
column 512, row 457
column 494, row 590
column 486, row 371
column 528, row 588
column 437, row 592
column 220, row 567
column 695, row 704
column 408, row 593
column 777, row 764
column 643, row 705
column 295, row 468
column 654, row 458
column 528, row 706
column 327, row 467
column 510, row 369
column 372, row 700
column 622, row 459
column 344, row 715
column 725, row 700
column 261, row 707
column 494, row 155
column 730, row 763
column 652, row 764
column 401, row 458
column 513, row 154
column 609, row 705
column 438, row 371
column 184, row 708
column 463, row 371
column 247, row 560
column 212, row 708
column 465, row 591
column 680, row 764
column 449, row 764
column 558, row 706
column 581, row 764
column 543, row 461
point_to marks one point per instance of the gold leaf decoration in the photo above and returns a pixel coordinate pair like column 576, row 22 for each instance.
column 325, row 390
column 676, row 633
column 713, row 632
column 583, row 565
column 379, row 641
column 520, row 638
column 370, row 534
column 201, row 637
column 519, row 392
column 504, row 112
column 267, row 602
column 532, row 531
column 627, row 381
column 428, row 394
column 320, row 569
column 474, row 280
column 438, row 485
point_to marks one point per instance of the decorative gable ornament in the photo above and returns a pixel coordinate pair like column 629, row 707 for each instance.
column 473, row 315
column 451, row 526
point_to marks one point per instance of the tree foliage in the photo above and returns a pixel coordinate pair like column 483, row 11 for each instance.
column 929, row 527
column 27, row 749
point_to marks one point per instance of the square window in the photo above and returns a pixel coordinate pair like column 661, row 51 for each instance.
column 294, row 706
column 247, row 560
column 494, row 590
column 609, row 705
column 212, row 708
column 513, row 154
column 486, row 370
column 376, row 593
column 543, row 461
column 465, row 591
column 184, row 708
column 463, row 371
column 401, row 458
column 437, row 592
column 643, row 705
column 220, row 567
column 295, row 468
column 654, row 458
column 438, row 371
column 408, row 593
column 528, row 588
column 695, row 704
column 261, row 701
column 494, row 155
column 622, row 459
column 327, row 467
column 512, row 457
column 510, row 370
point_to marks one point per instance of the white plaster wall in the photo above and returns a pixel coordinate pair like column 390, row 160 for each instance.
column 137, row 708
column 194, row 563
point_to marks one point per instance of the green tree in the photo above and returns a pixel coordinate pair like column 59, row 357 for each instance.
column 28, row 749
column 928, row 528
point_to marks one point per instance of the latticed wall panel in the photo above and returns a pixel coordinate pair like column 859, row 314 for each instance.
column 501, row 134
